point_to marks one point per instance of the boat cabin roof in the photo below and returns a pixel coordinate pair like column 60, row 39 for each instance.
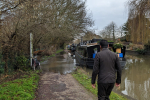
column 89, row 49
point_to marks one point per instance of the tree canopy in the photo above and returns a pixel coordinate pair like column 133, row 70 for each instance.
column 139, row 21
column 52, row 22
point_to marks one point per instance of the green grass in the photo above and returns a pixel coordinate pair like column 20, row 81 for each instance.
column 20, row 89
column 58, row 51
column 86, row 82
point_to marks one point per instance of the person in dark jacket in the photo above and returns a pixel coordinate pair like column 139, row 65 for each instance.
column 106, row 64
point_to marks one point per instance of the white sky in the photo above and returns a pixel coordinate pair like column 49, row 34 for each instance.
column 106, row 11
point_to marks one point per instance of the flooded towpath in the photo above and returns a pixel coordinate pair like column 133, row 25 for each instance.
column 57, row 84
column 62, row 64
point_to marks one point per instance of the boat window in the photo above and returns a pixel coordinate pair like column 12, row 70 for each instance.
column 82, row 51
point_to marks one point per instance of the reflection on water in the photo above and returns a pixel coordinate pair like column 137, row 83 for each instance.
column 135, row 77
column 62, row 64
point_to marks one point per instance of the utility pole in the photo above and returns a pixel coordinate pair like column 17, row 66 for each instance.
column 31, row 48
column 31, row 35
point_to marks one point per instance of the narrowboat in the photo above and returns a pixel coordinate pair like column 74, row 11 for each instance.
column 85, row 55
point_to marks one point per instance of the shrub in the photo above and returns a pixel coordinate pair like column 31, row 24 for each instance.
column 110, row 41
column 1, row 70
column 117, row 45
column 141, row 51
column 21, row 62
column 123, row 40
column 1, row 65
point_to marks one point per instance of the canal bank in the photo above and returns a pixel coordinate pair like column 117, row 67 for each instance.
column 136, row 53
column 84, row 79
column 57, row 83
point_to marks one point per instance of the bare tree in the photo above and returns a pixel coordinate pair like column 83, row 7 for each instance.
column 109, row 32
column 52, row 22
column 89, row 35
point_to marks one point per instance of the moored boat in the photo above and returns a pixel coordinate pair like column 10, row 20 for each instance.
column 85, row 55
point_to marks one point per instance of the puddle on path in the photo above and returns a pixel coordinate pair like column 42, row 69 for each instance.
column 62, row 63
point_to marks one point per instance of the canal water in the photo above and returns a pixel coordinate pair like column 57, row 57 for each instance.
column 135, row 75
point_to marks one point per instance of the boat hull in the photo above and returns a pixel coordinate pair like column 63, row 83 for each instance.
column 89, row 62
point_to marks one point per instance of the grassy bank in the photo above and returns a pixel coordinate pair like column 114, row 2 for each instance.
column 22, row 87
column 86, row 82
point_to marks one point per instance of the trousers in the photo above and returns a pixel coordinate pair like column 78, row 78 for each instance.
column 104, row 90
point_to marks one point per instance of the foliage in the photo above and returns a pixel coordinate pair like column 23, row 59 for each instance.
column 95, row 49
column 110, row 41
column 1, row 65
column 21, row 62
column 141, row 51
column 98, row 42
column 20, row 89
column 86, row 82
column 125, row 28
column 90, row 35
column 132, row 46
column 52, row 23
column 123, row 40
column 47, row 57
column 139, row 21
column 1, row 70
column 117, row 45
column 58, row 51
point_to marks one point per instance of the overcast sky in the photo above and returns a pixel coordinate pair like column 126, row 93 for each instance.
column 105, row 11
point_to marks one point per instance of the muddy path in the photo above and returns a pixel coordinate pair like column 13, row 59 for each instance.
column 54, row 86
column 57, row 83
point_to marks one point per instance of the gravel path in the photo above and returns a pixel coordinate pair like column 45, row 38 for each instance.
column 53, row 86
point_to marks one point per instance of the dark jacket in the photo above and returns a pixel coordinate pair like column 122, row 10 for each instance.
column 106, row 63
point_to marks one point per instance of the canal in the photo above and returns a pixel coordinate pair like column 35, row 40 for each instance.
column 135, row 75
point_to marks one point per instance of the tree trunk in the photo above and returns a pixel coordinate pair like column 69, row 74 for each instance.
column 113, row 33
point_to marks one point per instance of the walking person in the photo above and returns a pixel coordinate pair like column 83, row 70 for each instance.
column 106, row 64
